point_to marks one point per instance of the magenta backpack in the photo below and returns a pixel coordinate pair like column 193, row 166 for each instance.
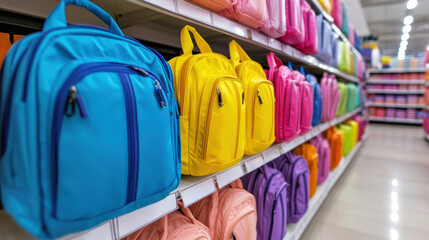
column 324, row 152
column 306, row 93
column 426, row 124
column 337, row 13
column 330, row 97
column 352, row 38
column 270, row 190
column 295, row 171
column 295, row 30
column 310, row 44
column 288, row 100
column 275, row 26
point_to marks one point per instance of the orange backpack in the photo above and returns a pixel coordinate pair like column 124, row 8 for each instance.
column 335, row 138
column 309, row 153
column 175, row 226
column 229, row 213
column 6, row 41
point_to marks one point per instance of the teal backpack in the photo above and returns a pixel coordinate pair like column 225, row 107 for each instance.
column 90, row 126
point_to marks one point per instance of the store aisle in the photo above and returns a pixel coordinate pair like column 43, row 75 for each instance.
column 384, row 192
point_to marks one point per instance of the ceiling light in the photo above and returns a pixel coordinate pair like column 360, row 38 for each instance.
column 401, row 57
column 405, row 36
column 427, row 48
column 408, row 20
column 411, row 4
column 404, row 43
column 406, row 29
column 402, row 49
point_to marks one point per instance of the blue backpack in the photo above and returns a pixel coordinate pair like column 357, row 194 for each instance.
column 317, row 97
column 90, row 126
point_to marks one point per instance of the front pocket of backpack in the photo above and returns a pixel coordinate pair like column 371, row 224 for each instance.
column 224, row 123
column 96, row 147
column 263, row 113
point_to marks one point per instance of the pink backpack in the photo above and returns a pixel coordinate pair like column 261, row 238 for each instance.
column 276, row 24
column 215, row 5
column 230, row 213
column 311, row 42
column 324, row 152
column 175, row 226
column 337, row 13
column 306, row 93
column 330, row 97
column 352, row 38
column 295, row 30
column 288, row 100
column 252, row 13
column 426, row 124
column 361, row 127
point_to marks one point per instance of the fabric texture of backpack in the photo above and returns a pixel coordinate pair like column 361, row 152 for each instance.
column 324, row 153
column 317, row 97
column 178, row 225
column 355, row 131
column 335, row 138
column 259, row 99
column 295, row 171
column 270, row 190
column 348, row 138
column 77, row 101
column 309, row 153
column 212, row 108
column 325, row 42
column 275, row 26
column 306, row 93
column 229, row 213
column 252, row 13
column 345, row 26
column 353, row 95
column 311, row 42
column 337, row 12
column 288, row 99
column 326, row 5
column 361, row 127
column 330, row 97
column 295, row 29
column 344, row 96
column 215, row 5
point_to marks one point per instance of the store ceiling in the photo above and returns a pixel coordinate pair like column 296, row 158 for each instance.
column 385, row 20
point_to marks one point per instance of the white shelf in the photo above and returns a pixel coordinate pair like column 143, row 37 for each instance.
column 377, row 81
column 395, row 105
column 181, row 9
column 192, row 189
column 294, row 231
column 389, row 91
column 397, row 70
column 396, row 120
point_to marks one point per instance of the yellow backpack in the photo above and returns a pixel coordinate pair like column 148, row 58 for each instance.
column 212, row 108
column 259, row 99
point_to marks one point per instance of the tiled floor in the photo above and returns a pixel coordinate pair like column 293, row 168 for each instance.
column 384, row 193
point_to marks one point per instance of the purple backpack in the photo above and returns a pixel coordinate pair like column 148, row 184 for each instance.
column 295, row 170
column 270, row 190
column 324, row 152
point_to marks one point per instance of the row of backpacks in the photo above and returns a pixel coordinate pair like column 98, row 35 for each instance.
column 295, row 23
column 108, row 121
column 263, row 202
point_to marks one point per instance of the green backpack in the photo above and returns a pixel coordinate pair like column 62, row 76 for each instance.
column 345, row 27
column 352, row 101
column 344, row 95
column 348, row 138
column 344, row 64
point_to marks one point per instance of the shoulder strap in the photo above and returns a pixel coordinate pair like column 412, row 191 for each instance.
column 188, row 45
column 237, row 53
column 289, row 64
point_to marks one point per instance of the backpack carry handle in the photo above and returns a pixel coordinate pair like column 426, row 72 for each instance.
column 57, row 18
column 273, row 61
column 188, row 45
column 237, row 53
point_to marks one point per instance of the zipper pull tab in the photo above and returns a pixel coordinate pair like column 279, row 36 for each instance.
column 242, row 98
column 219, row 97
column 259, row 96
column 159, row 94
column 140, row 71
column 71, row 100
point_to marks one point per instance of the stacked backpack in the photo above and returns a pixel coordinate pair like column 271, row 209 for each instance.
column 330, row 97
